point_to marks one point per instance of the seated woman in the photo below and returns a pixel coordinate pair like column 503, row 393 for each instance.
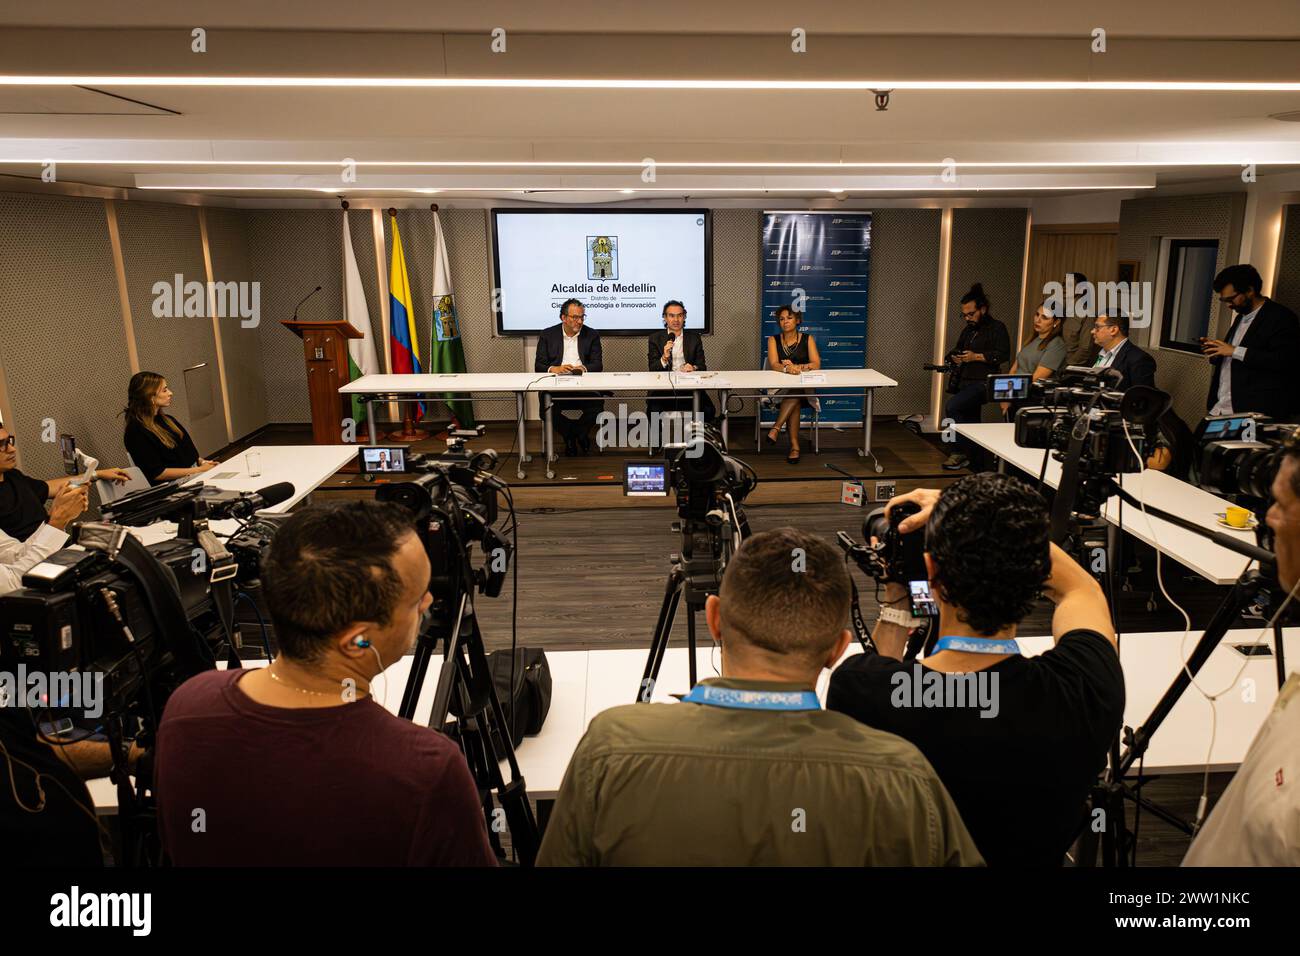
column 158, row 444
column 1043, row 355
column 792, row 352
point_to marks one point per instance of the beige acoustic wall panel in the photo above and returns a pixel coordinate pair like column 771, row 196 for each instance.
column 292, row 251
column 1143, row 223
column 62, row 343
column 1286, row 282
column 160, row 243
column 900, row 306
column 988, row 246
column 240, row 335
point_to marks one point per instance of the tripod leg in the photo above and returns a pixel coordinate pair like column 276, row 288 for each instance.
column 1280, row 653
column 1242, row 594
column 415, row 679
column 659, row 643
column 690, row 640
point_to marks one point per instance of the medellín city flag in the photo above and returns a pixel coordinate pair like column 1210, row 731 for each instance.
column 401, row 337
column 446, row 352
column 362, row 359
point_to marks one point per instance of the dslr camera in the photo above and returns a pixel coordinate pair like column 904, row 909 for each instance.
column 894, row 557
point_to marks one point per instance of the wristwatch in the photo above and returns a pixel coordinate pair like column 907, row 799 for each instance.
column 894, row 615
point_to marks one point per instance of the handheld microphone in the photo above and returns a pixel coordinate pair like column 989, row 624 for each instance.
column 266, row 497
column 304, row 299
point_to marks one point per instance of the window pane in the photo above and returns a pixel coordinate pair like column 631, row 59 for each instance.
column 1189, row 293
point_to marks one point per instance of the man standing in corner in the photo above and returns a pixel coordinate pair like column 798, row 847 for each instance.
column 1254, row 369
column 565, row 349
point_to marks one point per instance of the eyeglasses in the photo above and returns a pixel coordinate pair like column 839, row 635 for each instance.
column 7, row 443
column 1231, row 299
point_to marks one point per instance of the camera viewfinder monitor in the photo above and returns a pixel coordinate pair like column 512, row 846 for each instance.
column 921, row 600
column 1009, row 388
column 68, row 450
column 1225, row 429
column 383, row 459
column 645, row 479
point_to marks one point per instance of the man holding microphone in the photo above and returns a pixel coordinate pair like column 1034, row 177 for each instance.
column 676, row 350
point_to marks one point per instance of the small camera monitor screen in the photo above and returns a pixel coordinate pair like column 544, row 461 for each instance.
column 377, row 460
column 68, row 450
column 1225, row 429
column 923, row 603
column 645, row 479
column 1010, row 388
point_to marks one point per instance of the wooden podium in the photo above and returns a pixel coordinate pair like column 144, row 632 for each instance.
column 325, row 350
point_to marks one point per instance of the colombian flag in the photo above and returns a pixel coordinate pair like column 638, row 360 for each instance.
column 406, row 354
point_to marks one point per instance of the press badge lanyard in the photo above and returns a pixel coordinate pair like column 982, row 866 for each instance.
column 976, row 645
column 753, row 699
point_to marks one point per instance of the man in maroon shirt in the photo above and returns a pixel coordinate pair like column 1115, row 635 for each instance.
column 295, row 764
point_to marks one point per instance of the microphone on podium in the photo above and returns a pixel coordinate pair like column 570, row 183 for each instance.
column 304, row 299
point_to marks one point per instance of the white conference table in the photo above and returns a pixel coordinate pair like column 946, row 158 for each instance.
column 306, row 467
column 585, row 683
column 1154, row 488
column 742, row 383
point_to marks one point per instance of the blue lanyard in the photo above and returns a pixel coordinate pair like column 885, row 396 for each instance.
column 716, row 696
column 976, row 645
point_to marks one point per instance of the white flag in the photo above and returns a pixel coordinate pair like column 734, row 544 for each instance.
column 362, row 359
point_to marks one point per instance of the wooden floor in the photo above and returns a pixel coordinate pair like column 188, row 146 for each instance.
column 907, row 459
column 592, row 568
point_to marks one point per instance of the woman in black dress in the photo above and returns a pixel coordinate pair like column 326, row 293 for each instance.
column 792, row 352
column 158, row 444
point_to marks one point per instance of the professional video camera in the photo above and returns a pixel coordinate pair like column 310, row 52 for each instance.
column 454, row 504
column 453, row 501
column 133, row 612
column 710, row 485
column 141, row 619
column 1239, row 455
column 1088, row 427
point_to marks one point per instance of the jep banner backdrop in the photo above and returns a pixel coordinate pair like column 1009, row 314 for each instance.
column 823, row 258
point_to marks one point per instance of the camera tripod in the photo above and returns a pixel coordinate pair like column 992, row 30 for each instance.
column 696, row 578
column 465, row 688
column 1114, row 840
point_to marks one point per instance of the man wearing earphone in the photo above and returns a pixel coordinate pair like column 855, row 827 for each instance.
column 295, row 763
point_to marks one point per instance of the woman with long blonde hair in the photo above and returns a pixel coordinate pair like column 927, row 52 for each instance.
column 1044, row 354
column 158, row 444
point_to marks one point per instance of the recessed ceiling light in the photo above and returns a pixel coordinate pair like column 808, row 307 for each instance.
column 864, row 86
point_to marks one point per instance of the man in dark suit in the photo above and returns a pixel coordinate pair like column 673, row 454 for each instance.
column 676, row 349
column 1255, row 367
column 1117, row 352
column 561, row 350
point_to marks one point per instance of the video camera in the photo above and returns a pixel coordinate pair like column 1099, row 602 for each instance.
column 1087, row 425
column 894, row 557
column 1239, row 455
column 710, row 485
column 146, row 617
column 1080, row 404
column 453, row 503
